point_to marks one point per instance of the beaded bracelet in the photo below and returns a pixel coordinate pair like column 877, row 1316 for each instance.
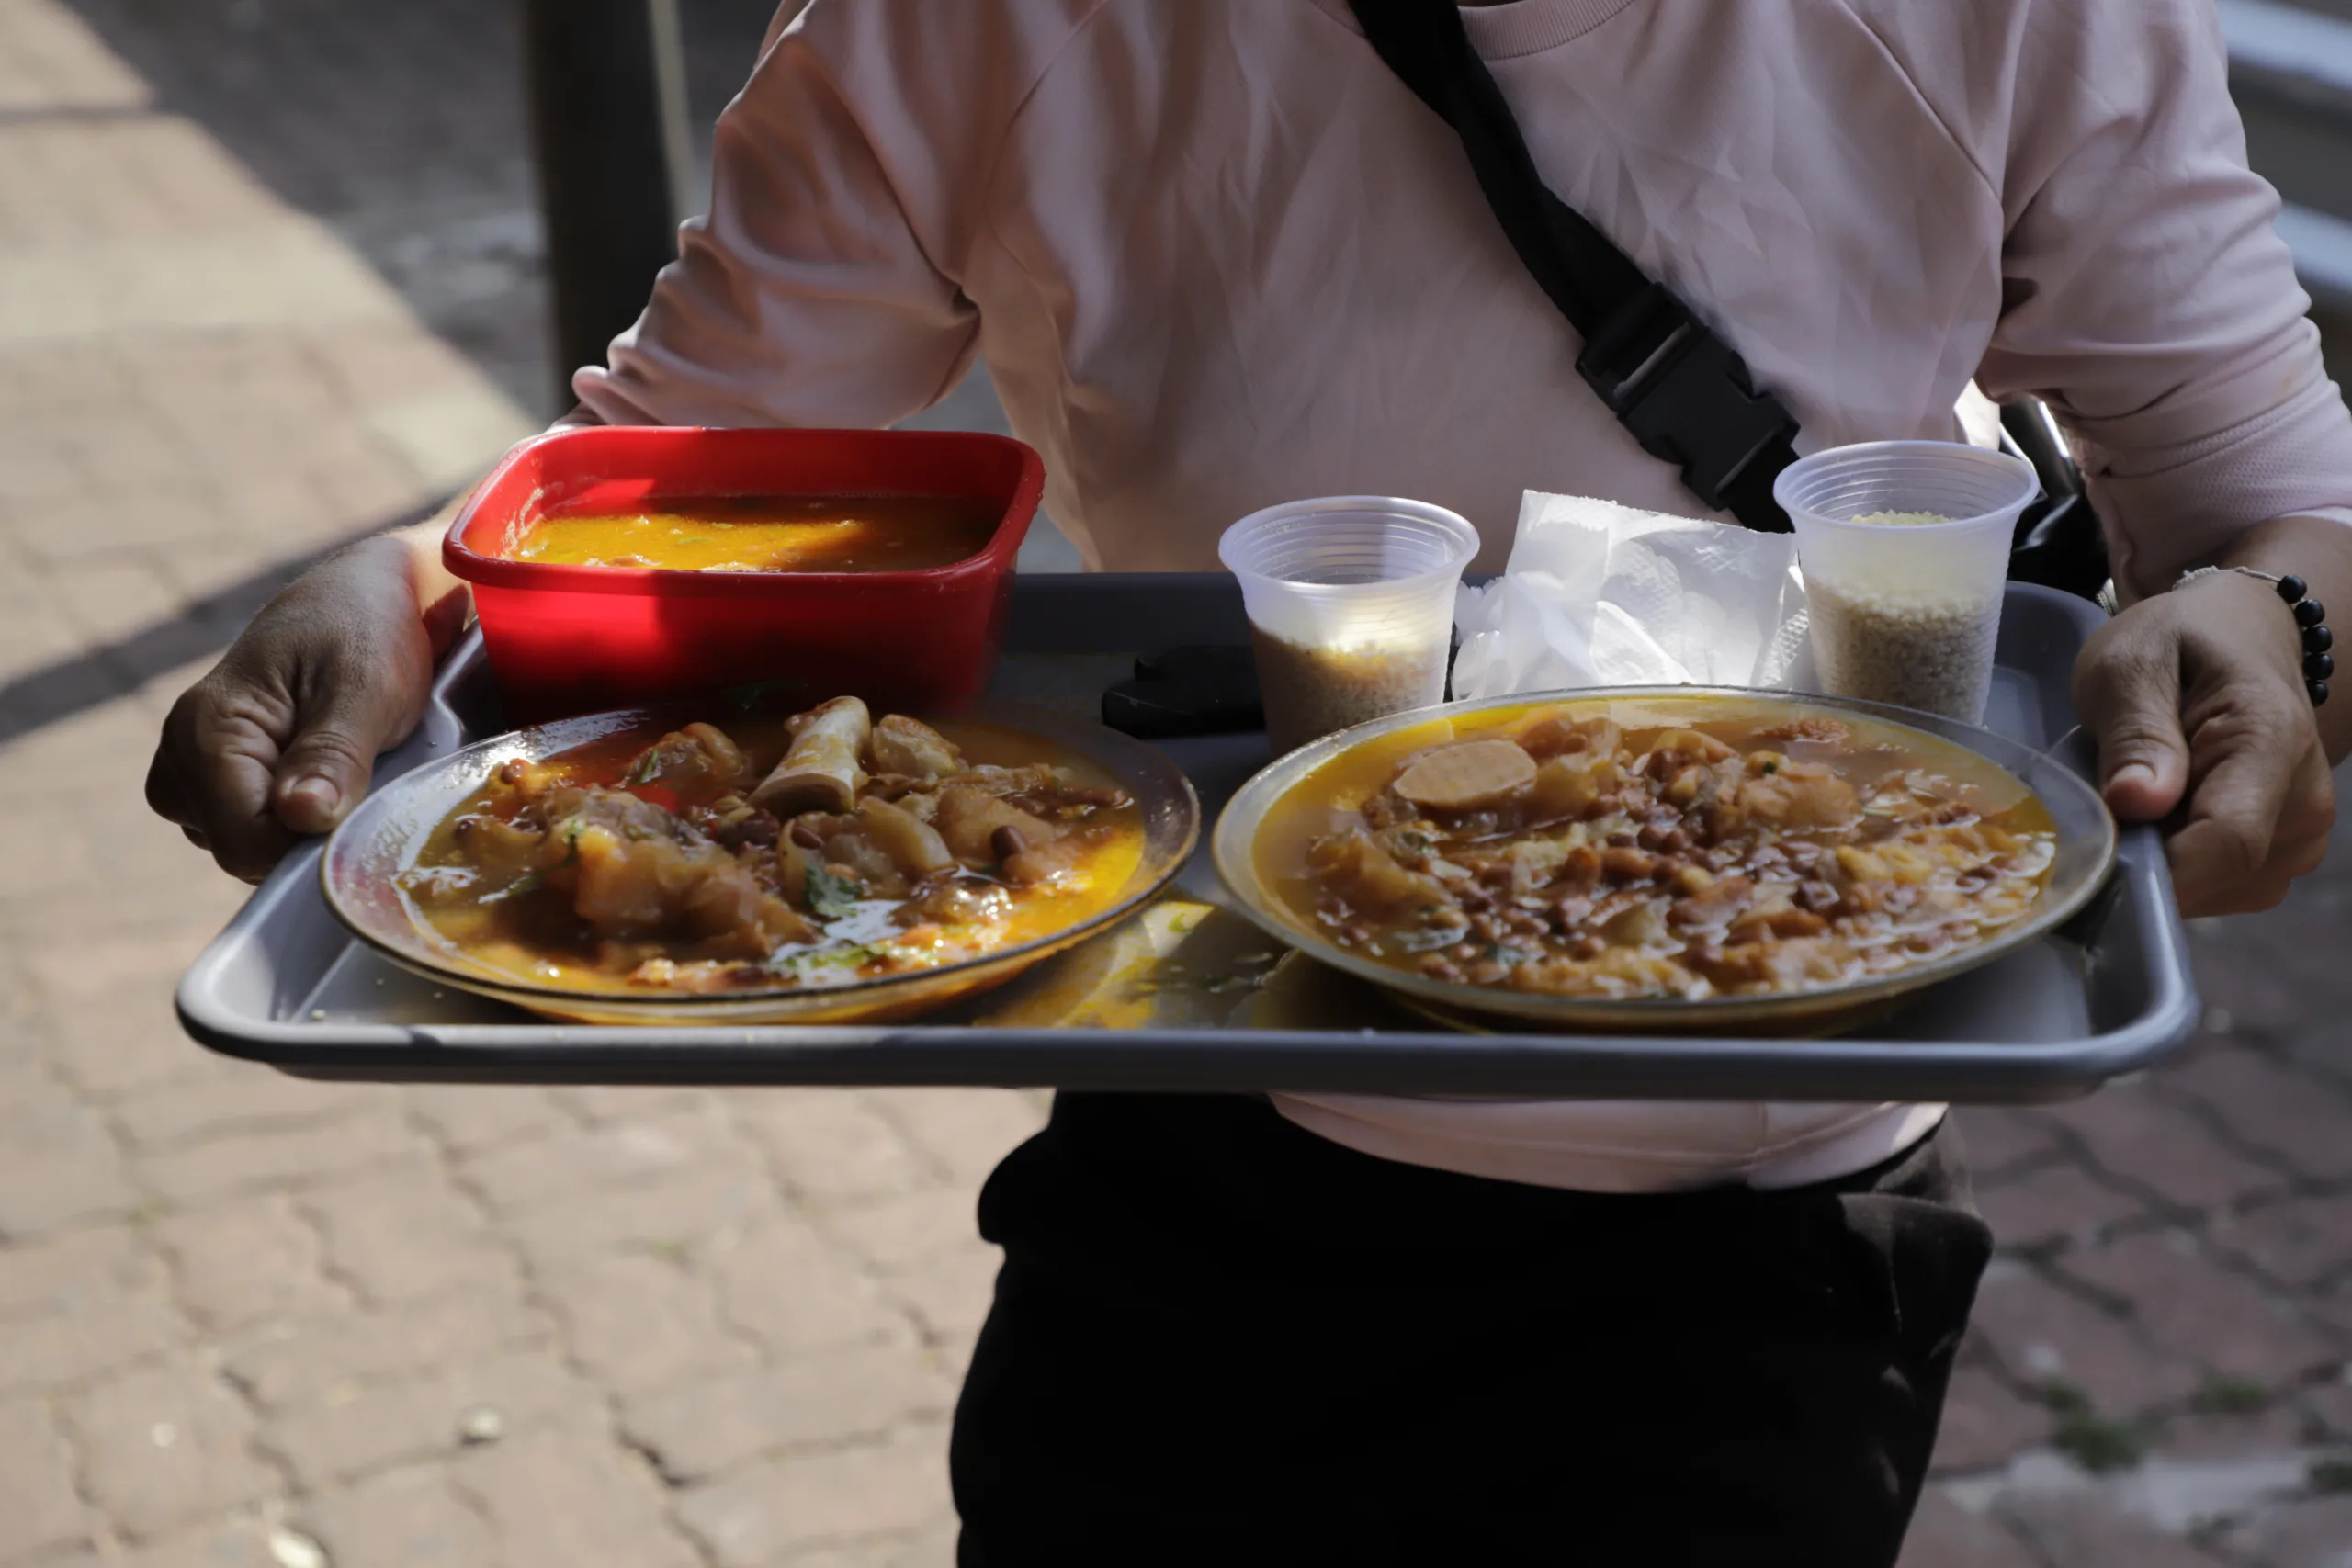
column 2311, row 619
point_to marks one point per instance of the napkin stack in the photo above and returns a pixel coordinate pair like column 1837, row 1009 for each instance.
column 1599, row 594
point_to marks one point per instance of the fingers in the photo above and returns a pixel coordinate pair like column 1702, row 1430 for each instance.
column 324, row 773
column 212, row 776
column 2127, row 689
column 2259, row 817
column 348, row 714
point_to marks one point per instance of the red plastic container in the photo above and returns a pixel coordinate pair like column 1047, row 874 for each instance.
column 566, row 639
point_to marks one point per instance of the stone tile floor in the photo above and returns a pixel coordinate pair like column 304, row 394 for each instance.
column 249, row 1321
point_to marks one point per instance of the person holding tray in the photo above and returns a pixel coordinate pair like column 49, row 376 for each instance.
column 1217, row 256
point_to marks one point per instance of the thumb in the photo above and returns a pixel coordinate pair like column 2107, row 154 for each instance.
column 324, row 771
column 2128, row 691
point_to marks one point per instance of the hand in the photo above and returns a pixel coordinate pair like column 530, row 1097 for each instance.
column 2196, row 700
column 281, row 737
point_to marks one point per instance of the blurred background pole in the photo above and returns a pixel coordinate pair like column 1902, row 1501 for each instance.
column 607, row 88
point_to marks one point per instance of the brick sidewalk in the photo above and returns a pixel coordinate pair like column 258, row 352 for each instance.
column 248, row 1321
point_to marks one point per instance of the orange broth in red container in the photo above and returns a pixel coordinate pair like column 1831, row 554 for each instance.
column 615, row 565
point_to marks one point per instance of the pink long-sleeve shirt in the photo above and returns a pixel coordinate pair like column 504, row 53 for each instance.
column 1216, row 256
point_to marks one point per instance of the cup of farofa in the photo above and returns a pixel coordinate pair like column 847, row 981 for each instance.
column 1350, row 606
column 1904, row 546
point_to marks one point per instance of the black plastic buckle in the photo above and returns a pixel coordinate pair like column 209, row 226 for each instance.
column 1684, row 393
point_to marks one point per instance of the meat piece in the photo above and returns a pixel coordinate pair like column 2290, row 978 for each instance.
column 1550, row 732
column 1466, row 775
column 990, row 779
column 635, row 869
column 1798, row 796
column 1369, row 877
column 1773, row 965
column 756, row 830
column 1828, row 730
column 968, row 818
column 912, row 748
column 1642, row 925
column 699, row 758
column 1675, row 749
column 499, row 850
column 1713, row 906
column 957, row 902
column 1045, row 862
column 1766, row 924
column 820, row 771
column 853, row 853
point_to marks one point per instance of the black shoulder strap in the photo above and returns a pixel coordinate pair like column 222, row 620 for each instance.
column 1684, row 392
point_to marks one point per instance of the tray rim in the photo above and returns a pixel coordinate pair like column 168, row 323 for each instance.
column 1586, row 1066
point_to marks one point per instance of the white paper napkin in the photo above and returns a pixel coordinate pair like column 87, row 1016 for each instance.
column 1599, row 594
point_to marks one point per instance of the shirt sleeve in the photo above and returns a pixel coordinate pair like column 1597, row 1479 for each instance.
column 2146, row 294
column 822, row 287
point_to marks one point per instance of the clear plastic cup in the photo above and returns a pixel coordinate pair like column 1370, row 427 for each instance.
column 1902, row 612
column 1351, row 604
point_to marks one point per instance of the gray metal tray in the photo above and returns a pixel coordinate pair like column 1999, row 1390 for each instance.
column 2109, row 995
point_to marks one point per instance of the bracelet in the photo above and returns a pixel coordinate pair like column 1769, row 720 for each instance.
column 2311, row 619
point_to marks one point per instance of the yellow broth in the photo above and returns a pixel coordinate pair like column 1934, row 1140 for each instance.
column 1671, row 846
column 769, row 532
column 486, row 885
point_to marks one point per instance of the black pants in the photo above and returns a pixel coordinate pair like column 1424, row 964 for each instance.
column 1218, row 1339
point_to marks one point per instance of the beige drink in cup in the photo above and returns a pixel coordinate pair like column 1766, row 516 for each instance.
column 1906, row 551
column 1351, row 604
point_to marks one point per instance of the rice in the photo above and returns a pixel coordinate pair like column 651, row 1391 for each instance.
column 1914, row 651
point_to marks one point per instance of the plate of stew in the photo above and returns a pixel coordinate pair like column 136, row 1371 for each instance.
column 828, row 865
column 1684, row 859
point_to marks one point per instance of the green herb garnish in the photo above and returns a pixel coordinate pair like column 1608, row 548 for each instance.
column 831, row 896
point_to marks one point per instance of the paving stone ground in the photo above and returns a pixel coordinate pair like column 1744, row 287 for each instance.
column 268, row 279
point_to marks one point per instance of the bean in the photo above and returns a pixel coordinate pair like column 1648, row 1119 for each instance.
column 755, row 827
column 1621, row 863
column 807, row 837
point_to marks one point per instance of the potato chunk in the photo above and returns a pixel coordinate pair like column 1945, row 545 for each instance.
column 1467, row 775
column 914, row 843
column 1570, row 784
